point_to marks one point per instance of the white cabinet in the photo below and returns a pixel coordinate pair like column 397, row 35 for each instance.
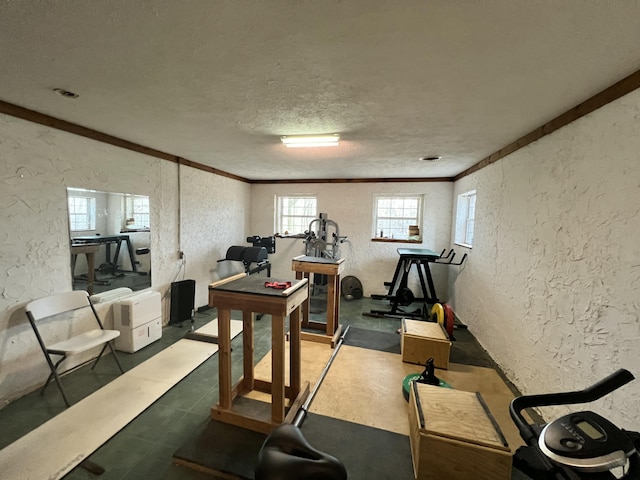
column 138, row 317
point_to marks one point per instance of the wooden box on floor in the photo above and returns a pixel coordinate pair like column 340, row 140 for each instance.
column 454, row 436
column 424, row 340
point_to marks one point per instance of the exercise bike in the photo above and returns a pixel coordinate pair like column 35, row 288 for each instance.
column 580, row 445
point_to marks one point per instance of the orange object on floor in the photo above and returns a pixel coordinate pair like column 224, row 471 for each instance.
column 449, row 319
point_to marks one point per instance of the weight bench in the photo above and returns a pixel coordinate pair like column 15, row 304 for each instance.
column 249, row 256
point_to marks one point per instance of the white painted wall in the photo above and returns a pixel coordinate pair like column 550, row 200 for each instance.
column 552, row 285
column 350, row 205
column 37, row 164
column 215, row 215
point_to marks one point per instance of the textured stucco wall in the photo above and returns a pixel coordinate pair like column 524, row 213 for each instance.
column 37, row 164
column 552, row 284
column 350, row 205
column 214, row 217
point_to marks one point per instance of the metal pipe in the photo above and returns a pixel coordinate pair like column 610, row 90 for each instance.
column 302, row 412
column 336, row 238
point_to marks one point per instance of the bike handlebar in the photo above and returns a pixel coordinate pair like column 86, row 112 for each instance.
column 589, row 394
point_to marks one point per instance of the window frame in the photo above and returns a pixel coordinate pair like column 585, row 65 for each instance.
column 89, row 214
column 465, row 216
column 141, row 219
column 279, row 215
column 414, row 220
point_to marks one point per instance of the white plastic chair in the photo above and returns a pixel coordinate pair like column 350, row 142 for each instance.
column 38, row 310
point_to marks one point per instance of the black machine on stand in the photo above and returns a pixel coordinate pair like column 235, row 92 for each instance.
column 400, row 295
column 580, row 445
column 323, row 240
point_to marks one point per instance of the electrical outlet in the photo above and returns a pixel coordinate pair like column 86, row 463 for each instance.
column 181, row 255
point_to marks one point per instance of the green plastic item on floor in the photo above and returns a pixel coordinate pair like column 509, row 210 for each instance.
column 428, row 377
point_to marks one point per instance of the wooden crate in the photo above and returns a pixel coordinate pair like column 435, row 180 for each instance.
column 454, row 436
column 423, row 340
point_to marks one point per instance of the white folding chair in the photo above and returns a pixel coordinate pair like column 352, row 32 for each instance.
column 42, row 308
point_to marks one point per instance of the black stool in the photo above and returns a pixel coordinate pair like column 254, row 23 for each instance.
column 286, row 455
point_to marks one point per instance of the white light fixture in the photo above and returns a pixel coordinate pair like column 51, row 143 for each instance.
column 311, row 140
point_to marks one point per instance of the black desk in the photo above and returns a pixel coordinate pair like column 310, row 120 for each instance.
column 420, row 257
column 108, row 240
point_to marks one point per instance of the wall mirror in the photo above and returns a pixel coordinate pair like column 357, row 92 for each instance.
column 110, row 240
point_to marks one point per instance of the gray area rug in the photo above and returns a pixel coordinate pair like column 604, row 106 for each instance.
column 465, row 349
column 367, row 453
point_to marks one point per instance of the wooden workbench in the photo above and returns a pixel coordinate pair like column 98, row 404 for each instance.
column 304, row 266
column 249, row 295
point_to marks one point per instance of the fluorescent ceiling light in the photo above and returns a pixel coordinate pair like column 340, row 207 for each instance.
column 311, row 140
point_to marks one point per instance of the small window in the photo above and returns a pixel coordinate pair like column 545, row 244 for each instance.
column 137, row 211
column 294, row 214
column 465, row 218
column 82, row 213
column 398, row 217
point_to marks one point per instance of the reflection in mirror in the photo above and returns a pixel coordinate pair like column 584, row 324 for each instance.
column 110, row 240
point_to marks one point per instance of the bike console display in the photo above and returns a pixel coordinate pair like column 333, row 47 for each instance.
column 586, row 442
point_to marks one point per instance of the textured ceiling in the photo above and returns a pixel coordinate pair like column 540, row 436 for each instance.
column 218, row 82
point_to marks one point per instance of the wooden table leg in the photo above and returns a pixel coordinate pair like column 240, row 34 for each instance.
column 305, row 305
column 277, row 368
column 294, row 353
column 248, row 349
column 336, row 314
column 91, row 272
column 224, row 357
column 331, row 305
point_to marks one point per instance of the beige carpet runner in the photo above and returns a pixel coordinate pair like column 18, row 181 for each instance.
column 59, row 445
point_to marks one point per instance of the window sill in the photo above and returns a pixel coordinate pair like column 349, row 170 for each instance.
column 465, row 245
column 397, row 240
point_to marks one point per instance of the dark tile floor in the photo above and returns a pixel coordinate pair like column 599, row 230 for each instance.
column 107, row 281
column 144, row 448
